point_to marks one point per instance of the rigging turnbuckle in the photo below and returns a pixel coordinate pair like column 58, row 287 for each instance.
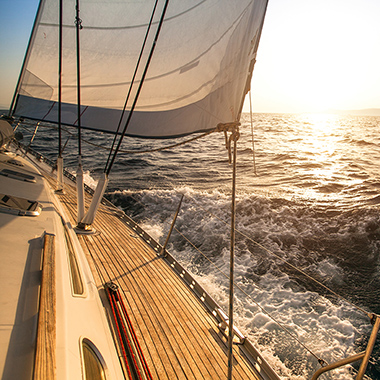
column 233, row 128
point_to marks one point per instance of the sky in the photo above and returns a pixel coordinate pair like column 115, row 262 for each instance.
column 314, row 55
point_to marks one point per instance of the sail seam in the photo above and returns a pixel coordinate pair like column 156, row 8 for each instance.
column 128, row 27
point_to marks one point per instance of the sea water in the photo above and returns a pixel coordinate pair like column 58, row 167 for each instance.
column 307, row 207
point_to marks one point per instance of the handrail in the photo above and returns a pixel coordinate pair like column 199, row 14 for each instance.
column 338, row 364
column 363, row 356
column 372, row 339
column 45, row 356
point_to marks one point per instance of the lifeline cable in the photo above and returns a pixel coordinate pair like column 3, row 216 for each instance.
column 369, row 314
column 320, row 360
column 250, row 297
column 242, row 290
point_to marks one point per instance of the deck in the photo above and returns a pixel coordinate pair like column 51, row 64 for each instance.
column 180, row 338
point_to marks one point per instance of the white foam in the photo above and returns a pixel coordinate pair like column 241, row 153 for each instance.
column 89, row 180
column 326, row 328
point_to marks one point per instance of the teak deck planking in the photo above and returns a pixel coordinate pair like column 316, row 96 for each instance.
column 45, row 356
column 179, row 337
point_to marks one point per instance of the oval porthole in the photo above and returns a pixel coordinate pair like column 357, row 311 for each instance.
column 93, row 363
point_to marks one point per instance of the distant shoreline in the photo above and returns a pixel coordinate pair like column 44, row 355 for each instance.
column 361, row 112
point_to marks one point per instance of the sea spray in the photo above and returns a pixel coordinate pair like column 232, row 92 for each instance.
column 272, row 298
column 313, row 203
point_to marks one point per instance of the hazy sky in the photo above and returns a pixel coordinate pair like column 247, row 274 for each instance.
column 313, row 55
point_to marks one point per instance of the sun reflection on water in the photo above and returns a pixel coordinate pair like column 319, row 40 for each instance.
column 320, row 142
column 323, row 159
column 319, row 156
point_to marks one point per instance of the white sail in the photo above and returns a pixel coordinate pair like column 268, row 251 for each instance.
column 198, row 76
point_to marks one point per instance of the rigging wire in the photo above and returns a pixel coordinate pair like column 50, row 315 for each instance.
column 253, row 139
column 24, row 123
column 234, row 137
column 60, row 79
column 132, row 82
column 59, row 162
column 162, row 148
column 154, row 44
column 78, row 24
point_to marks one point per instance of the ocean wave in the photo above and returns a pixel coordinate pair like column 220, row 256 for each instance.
column 311, row 203
column 274, row 236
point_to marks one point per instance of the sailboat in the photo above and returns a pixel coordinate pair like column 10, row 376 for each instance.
column 87, row 293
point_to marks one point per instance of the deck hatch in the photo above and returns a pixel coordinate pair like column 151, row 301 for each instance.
column 15, row 162
column 18, row 175
column 19, row 206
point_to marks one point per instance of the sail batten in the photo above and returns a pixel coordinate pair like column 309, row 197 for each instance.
column 197, row 77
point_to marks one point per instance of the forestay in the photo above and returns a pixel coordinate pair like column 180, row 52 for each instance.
column 198, row 77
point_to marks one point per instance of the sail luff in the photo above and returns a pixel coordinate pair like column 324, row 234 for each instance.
column 252, row 63
column 27, row 53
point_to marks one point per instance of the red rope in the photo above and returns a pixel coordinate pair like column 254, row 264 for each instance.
column 121, row 316
column 136, row 342
column 112, row 302
column 117, row 298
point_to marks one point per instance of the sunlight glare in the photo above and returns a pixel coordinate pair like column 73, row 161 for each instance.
column 322, row 122
column 320, row 144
